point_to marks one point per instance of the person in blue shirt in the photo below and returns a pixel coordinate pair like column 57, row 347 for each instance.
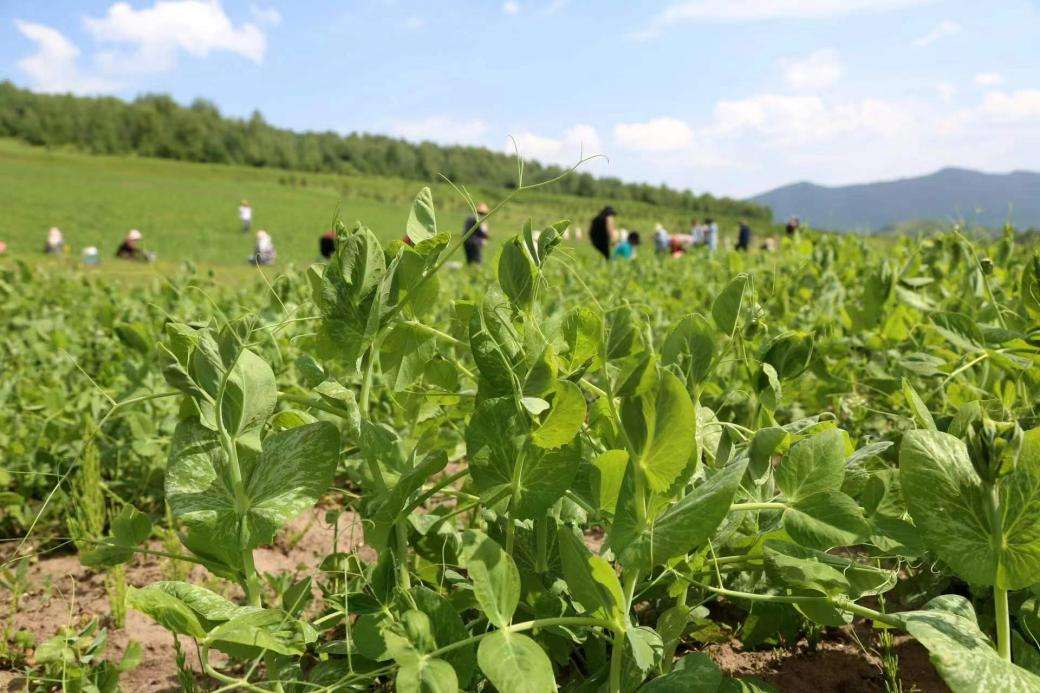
column 626, row 249
column 712, row 235
column 744, row 237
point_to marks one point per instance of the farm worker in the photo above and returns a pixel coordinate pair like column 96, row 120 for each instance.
column 626, row 248
column 474, row 244
column 744, row 237
column 675, row 248
column 3, row 247
column 602, row 231
column 55, row 242
column 769, row 245
column 245, row 213
column 91, row 256
column 711, row 235
column 696, row 232
column 130, row 248
column 327, row 244
column 263, row 253
column 792, row 226
column 661, row 239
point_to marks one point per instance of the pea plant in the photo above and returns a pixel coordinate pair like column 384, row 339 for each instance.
column 549, row 498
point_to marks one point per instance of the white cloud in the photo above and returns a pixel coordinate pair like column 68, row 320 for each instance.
column 1019, row 107
column 793, row 120
column 764, row 10
column 266, row 15
column 159, row 33
column 989, row 79
column 818, row 70
column 441, row 129
column 655, row 135
column 511, row 7
column 414, row 22
column 53, row 67
column 943, row 29
column 579, row 140
column 946, row 91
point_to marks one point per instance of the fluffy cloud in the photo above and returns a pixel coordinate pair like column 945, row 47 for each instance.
column 655, row 135
column 579, row 140
column 159, row 33
column 441, row 129
column 511, row 7
column 1017, row 107
column 53, row 67
column 989, row 79
column 818, row 70
column 942, row 30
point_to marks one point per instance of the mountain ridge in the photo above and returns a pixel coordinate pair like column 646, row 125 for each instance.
column 950, row 193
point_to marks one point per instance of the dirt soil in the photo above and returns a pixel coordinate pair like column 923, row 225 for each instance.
column 64, row 592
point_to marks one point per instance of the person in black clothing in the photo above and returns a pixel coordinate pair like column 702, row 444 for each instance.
column 327, row 244
column 602, row 231
column 474, row 245
column 130, row 248
column 744, row 237
column 792, row 226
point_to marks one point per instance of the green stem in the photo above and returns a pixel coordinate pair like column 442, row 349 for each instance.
column 366, row 384
column 1000, row 595
column 757, row 506
column 541, row 528
column 617, row 651
column 434, row 332
column 404, row 580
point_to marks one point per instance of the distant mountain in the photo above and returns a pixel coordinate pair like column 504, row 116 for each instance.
column 976, row 198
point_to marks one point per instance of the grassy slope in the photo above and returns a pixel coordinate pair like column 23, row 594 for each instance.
column 188, row 211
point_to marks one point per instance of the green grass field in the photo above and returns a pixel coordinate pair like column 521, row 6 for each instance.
column 188, row 211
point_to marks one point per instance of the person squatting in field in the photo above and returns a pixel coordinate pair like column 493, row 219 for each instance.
column 474, row 244
column 130, row 248
column 264, row 252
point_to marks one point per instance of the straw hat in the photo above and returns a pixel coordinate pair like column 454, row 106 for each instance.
column 134, row 235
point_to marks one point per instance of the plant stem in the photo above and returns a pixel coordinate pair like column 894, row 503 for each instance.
column 404, row 580
column 757, row 506
column 617, row 651
column 1000, row 594
column 541, row 528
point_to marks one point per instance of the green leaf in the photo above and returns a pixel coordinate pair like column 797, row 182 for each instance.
column 726, row 307
column 517, row 272
column 962, row 654
column 825, row 520
column 662, row 428
column 610, row 472
column 129, row 528
column 250, row 394
column 952, row 509
column 583, row 332
column 293, row 470
column 496, row 581
column 809, row 570
column 209, row 606
column 690, row 346
column 166, row 610
column 684, row 526
column 495, row 349
column 813, row 465
column 448, row 628
column 764, row 444
column 564, row 419
column 922, row 416
column 694, row 673
column 395, row 506
column 788, row 354
column 422, row 675
column 514, row 663
column 646, row 647
column 422, row 220
column 264, row 631
column 590, row 578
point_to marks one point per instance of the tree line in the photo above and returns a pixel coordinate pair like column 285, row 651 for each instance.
column 156, row 125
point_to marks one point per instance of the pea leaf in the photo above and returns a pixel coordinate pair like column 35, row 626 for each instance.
column 514, row 663
column 422, row 220
column 825, row 520
column 684, row 526
column 590, row 578
column 517, row 272
column 951, row 508
column 448, row 628
column 813, row 465
column 726, row 307
column 662, row 428
column 423, row 675
column 496, row 581
column 690, row 345
column 564, row 419
column 129, row 528
column 166, row 610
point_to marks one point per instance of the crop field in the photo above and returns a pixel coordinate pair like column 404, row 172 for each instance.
column 810, row 469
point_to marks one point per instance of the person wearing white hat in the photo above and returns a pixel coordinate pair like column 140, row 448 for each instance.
column 477, row 227
column 130, row 248
column 263, row 253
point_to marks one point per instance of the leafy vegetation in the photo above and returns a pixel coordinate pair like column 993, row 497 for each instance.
column 565, row 474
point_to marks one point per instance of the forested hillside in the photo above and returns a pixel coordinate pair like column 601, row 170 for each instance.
column 157, row 126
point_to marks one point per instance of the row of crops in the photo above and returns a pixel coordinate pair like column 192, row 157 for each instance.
column 563, row 470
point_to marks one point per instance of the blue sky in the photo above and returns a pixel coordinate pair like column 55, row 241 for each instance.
column 726, row 96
